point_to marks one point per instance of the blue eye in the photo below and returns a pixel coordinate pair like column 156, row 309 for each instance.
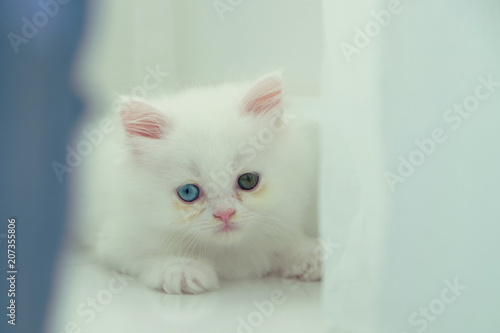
column 188, row 192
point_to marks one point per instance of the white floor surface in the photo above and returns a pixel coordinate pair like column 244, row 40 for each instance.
column 93, row 299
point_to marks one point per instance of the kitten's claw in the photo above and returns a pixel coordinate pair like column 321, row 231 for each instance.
column 182, row 276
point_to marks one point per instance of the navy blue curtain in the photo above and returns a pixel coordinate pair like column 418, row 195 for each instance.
column 39, row 107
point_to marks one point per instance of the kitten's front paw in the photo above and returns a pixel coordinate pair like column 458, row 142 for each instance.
column 305, row 267
column 182, row 276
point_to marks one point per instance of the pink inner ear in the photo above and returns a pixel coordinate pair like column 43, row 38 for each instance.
column 146, row 124
column 265, row 95
column 264, row 103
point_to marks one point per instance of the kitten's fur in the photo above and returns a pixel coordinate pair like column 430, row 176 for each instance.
column 134, row 220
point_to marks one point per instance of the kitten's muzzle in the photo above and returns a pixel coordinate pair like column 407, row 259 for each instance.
column 224, row 215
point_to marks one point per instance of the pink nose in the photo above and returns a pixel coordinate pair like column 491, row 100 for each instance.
column 224, row 215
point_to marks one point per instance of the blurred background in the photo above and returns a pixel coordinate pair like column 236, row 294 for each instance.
column 408, row 97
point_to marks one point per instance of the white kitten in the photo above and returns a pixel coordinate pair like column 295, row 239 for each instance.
column 213, row 183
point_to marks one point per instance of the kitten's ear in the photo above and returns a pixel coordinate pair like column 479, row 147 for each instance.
column 141, row 119
column 265, row 94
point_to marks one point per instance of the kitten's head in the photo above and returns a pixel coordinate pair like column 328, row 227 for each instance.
column 221, row 163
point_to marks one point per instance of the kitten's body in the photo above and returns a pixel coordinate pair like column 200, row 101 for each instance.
column 132, row 218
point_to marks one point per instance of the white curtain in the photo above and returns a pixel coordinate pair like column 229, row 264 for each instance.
column 411, row 190
column 201, row 41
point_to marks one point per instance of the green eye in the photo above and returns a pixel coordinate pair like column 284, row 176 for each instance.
column 248, row 181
